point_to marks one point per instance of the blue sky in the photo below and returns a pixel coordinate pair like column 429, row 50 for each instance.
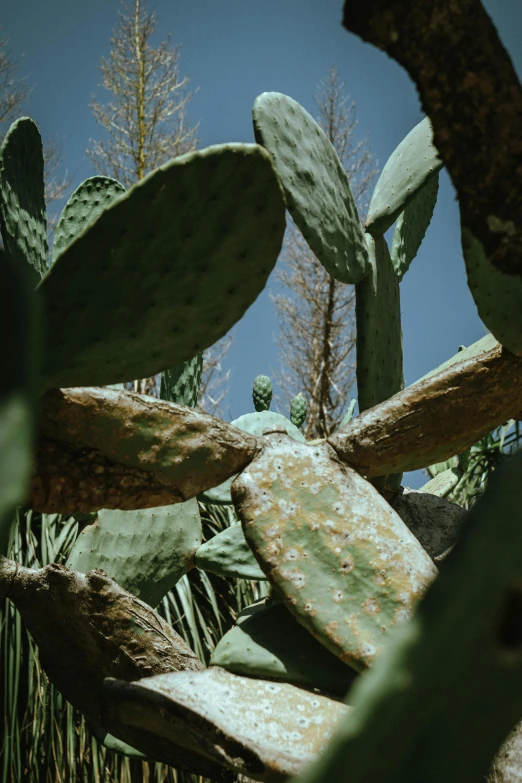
column 233, row 50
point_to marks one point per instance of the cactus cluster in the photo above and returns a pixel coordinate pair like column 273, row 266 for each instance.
column 349, row 554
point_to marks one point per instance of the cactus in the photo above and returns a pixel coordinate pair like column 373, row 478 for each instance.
column 498, row 296
column 255, row 424
column 411, row 226
column 145, row 551
column 317, row 190
column 298, row 410
column 23, row 220
column 259, row 728
column 407, row 171
column 181, row 383
column 210, row 215
column 18, row 352
column 228, row 554
column 262, row 393
column 86, row 204
column 268, row 643
column 347, row 565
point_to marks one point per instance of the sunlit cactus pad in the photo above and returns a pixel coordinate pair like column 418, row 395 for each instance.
column 159, row 263
column 266, row 730
column 318, row 194
column 347, row 566
column 412, row 225
column 83, row 207
column 22, row 205
column 407, row 170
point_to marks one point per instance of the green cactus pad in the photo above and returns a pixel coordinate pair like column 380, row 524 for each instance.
column 268, row 643
column 254, row 424
column 112, row 743
column 298, row 410
column 347, row 566
column 159, row 262
column 85, row 205
column 228, row 554
column 406, row 172
column 379, row 335
column 262, row 393
column 181, row 383
column 498, row 297
column 23, row 220
column 318, row 194
column 145, row 552
column 448, row 691
column 17, row 382
column 412, row 225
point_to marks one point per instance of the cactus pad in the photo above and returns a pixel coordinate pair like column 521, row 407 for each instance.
column 318, row 194
column 23, row 220
column 269, row 643
column 159, row 262
column 266, row 730
column 181, row 383
column 228, row 554
column 412, row 225
column 145, row 552
column 254, row 424
column 449, row 690
column 17, row 350
column 298, row 410
column 85, row 205
column 379, row 334
column 347, row 566
column 407, row 170
column 262, row 393
column 498, row 296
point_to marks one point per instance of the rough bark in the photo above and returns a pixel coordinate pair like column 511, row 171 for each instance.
column 88, row 628
column 73, row 481
column 102, row 448
column 436, row 418
column 469, row 89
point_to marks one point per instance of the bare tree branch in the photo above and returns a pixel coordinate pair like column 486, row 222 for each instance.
column 13, row 89
column 146, row 121
column 316, row 317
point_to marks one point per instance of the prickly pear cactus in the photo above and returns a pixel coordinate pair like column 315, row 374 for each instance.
column 262, row 393
column 23, row 219
column 345, row 563
column 255, row 424
column 298, row 410
column 86, row 204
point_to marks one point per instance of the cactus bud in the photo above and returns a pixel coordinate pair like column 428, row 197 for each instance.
column 262, row 393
